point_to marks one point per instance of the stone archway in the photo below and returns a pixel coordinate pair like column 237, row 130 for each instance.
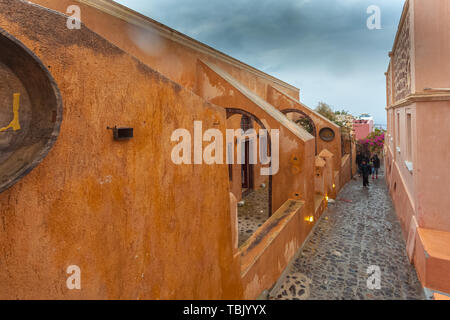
column 304, row 115
column 252, row 117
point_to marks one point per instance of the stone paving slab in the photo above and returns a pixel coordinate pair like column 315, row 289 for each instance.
column 358, row 231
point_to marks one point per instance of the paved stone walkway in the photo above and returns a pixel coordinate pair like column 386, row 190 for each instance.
column 358, row 231
column 253, row 214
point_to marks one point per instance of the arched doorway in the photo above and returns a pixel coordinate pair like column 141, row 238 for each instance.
column 252, row 117
column 247, row 168
column 257, row 189
column 308, row 122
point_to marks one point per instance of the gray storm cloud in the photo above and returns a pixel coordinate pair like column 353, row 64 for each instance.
column 321, row 46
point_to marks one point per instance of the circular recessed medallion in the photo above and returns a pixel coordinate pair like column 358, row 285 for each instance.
column 327, row 134
column 30, row 111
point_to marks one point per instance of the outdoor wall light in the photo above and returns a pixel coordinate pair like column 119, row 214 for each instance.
column 309, row 219
column 121, row 134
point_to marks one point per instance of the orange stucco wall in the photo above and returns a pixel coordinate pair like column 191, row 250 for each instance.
column 234, row 122
column 121, row 211
column 283, row 102
column 175, row 60
column 287, row 182
column 332, row 184
column 346, row 172
column 284, row 234
column 320, row 178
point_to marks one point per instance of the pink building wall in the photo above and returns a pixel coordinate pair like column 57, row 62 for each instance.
column 362, row 128
column 418, row 137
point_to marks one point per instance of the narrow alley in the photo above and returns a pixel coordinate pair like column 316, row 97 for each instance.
column 358, row 231
column 199, row 151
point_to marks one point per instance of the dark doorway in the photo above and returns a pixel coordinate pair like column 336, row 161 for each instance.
column 247, row 170
column 247, row 120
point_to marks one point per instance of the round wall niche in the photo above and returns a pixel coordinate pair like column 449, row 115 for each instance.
column 30, row 111
column 327, row 134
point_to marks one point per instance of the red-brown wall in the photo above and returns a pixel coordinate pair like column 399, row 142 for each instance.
column 176, row 60
column 121, row 211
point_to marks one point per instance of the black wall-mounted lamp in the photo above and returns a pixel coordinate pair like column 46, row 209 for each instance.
column 121, row 134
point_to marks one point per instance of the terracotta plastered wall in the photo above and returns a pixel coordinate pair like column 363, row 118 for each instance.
column 283, row 102
column 345, row 172
column 289, row 182
column 234, row 122
column 264, row 258
column 123, row 212
column 273, row 245
column 236, row 182
column 332, row 184
column 320, row 182
column 175, row 60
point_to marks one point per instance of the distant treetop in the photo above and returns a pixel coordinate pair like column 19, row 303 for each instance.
column 341, row 118
column 325, row 110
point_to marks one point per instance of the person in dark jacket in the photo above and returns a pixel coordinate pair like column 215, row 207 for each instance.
column 365, row 169
column 376, row 166
column 359, row 158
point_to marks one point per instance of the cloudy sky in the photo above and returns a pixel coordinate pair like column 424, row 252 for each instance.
column 323, row 47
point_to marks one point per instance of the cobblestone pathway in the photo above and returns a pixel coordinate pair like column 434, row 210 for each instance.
column 360, row 230
column 253, row 214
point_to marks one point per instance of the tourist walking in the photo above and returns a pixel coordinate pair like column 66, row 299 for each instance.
column 365, row 170
column 371, row 166
column 376, row 166
column 359, row 158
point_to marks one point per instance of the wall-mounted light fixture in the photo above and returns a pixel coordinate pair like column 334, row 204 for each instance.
column 123, row 133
